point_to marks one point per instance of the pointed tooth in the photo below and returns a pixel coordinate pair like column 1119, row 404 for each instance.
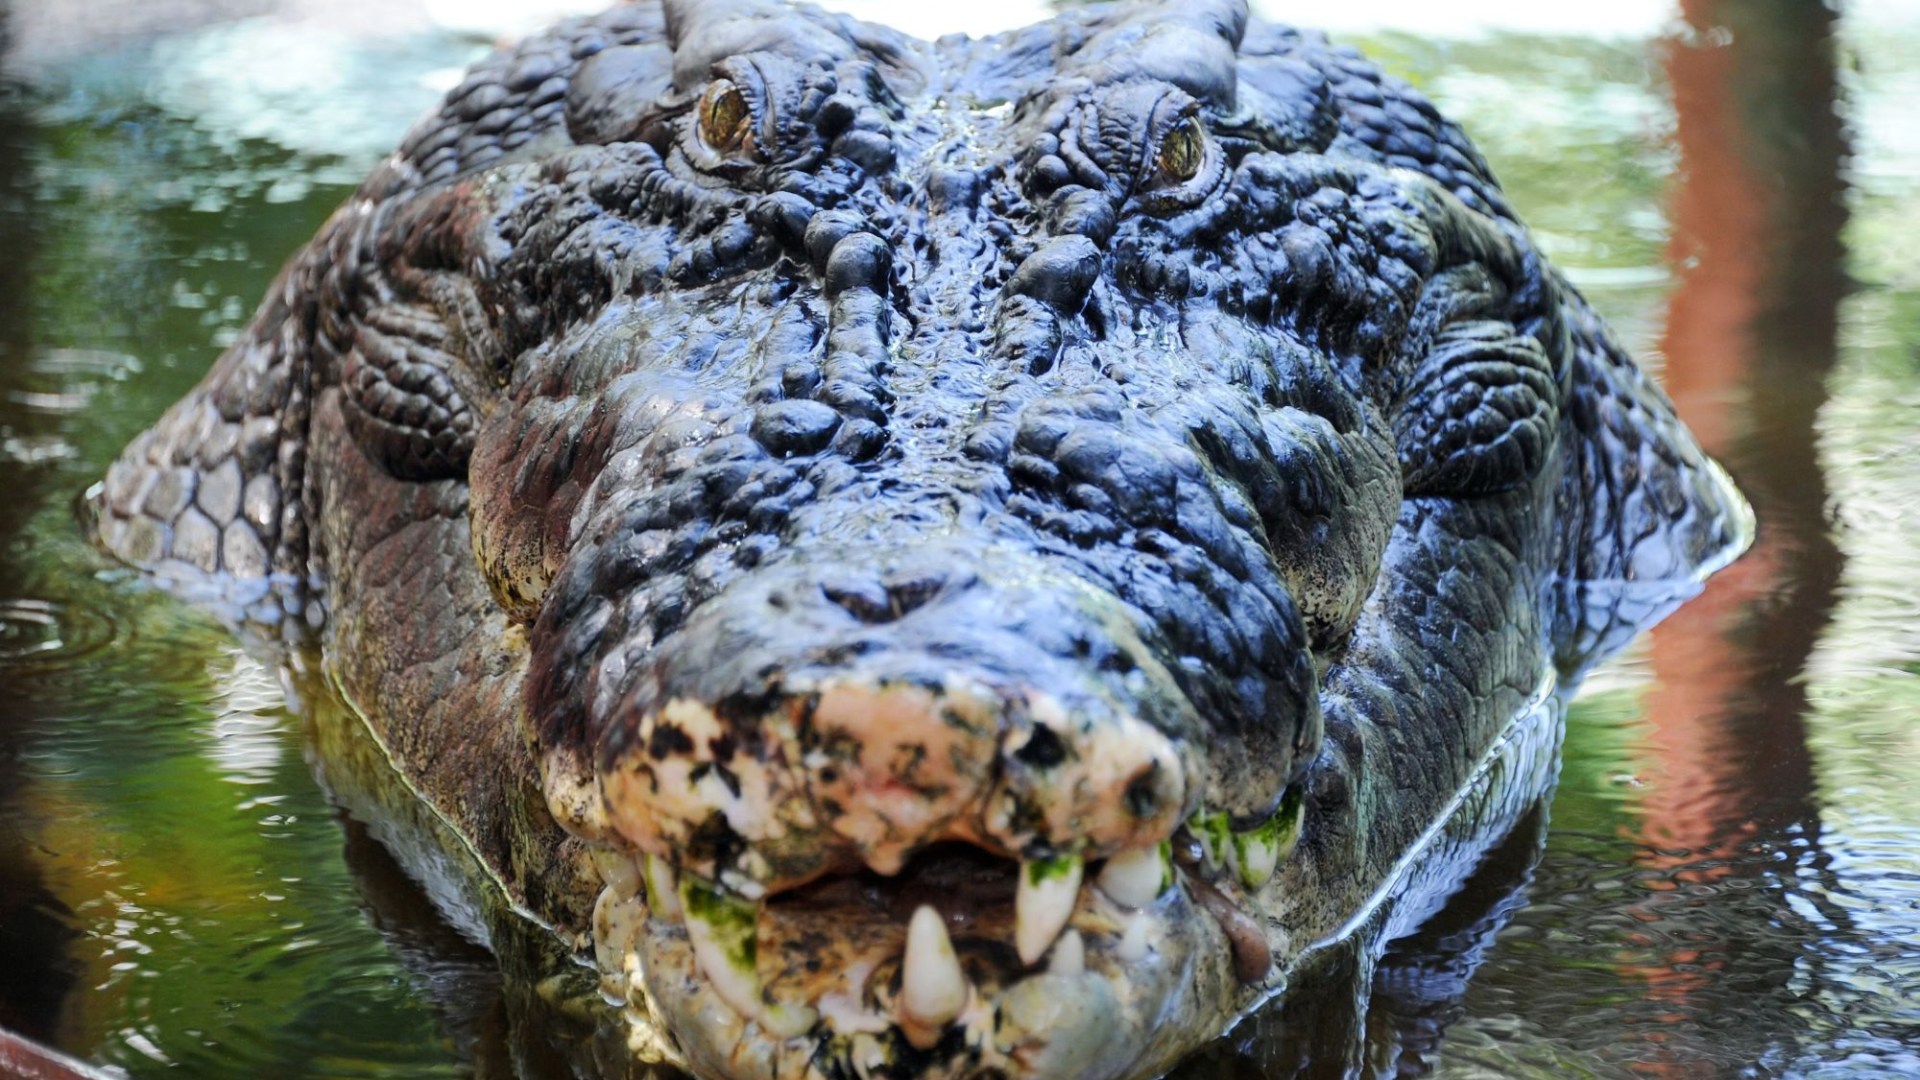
column 1135, row 939
column 617, row 921
column 933, row 989
column 788, row 1021
column 1259, row 850
column 1256, row 852
column 663, row 893
column 618, row 869
column 1043, row 902
column 724, row 931
column 1136, row 877
column 1215, row 836
column 1069, row 955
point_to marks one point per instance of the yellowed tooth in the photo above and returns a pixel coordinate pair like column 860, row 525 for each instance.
column 1136, row 877
column 617, row 920
column 1043, row 902
column 724, row 932
column 1069, row 955
column 618, row 869
column 663, row 895
column 933, row 989
column 788, row 1021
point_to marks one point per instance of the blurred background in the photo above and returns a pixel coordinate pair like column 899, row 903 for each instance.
column 1727, row 881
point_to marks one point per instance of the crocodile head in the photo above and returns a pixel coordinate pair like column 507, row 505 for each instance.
column 1003, row 544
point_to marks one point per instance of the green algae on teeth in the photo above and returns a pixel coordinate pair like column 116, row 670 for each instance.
column 724, row 931
column 1256, row 852
column 1043, row 902
column 1215, row 835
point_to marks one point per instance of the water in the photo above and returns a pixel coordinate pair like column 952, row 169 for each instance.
column 1726, row 882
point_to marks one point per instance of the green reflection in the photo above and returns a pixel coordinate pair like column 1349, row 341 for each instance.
column 210, row 925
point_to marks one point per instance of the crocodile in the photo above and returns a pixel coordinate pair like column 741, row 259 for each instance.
column 956, row 559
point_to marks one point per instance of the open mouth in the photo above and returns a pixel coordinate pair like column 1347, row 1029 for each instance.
column 966, row 963
column 962, row 964
column 933, row 856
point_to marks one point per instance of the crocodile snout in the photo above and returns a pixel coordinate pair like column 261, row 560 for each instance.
column 825, row 717
column 878, row 790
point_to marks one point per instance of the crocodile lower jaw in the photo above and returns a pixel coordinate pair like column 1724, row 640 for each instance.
column 853, row 972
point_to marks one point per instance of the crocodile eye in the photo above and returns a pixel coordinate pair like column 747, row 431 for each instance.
column 725, row 118
column 1182, row 151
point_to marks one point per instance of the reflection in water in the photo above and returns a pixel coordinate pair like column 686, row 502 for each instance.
column 1729, row 825
column 171, row 890
column 1420, row 986
column 1733, row 939
column 34, row 923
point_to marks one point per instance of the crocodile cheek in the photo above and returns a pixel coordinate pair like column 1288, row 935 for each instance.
column 1253, row 761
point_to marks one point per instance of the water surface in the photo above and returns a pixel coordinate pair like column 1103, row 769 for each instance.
column 1726, row 881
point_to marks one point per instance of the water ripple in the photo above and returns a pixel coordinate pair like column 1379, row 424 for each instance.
column 48, row 633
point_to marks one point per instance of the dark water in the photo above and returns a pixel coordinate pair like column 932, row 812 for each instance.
column 1726, row 882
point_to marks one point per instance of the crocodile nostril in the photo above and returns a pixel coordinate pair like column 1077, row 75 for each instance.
column 875, row 602
column 909, row 593
column 1146, row 793
column 1043, row 749
column 864, row 600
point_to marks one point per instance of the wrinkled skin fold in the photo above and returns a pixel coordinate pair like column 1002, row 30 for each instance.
column 957, row 559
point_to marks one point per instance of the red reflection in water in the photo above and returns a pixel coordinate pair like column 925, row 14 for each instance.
column 1757, row 214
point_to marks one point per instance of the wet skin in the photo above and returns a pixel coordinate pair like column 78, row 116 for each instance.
column 989, row 553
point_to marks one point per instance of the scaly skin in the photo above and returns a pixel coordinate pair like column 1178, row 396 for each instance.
column 1140, row 456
